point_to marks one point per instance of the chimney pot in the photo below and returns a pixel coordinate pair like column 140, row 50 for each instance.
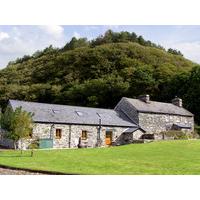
column 177, row 102
column 145, row 98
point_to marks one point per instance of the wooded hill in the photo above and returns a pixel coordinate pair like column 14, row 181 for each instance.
column 99, row 72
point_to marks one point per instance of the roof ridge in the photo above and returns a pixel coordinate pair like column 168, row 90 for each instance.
column 62, row 105
column 68, row 116
column 150, row 101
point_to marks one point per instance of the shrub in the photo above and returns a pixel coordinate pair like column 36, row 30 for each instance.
column 197, row 129
column 177, row 135
column 195, row 135
column 34, row 145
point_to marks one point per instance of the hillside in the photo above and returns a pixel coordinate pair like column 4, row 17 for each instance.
column 90, row 63
column 96, row 73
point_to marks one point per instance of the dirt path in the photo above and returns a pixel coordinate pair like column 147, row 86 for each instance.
column 4, row 171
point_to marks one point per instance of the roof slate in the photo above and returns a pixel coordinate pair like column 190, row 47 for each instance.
column 54, row 113
column 158, row 107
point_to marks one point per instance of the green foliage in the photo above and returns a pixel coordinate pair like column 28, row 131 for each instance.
column 34, row 144
column 143, row 81
column 174, row 51
column 123, row 36
column 6, row 119
column 186, row 85
column 197, row 129
column 76, row 43
column 177, row 135
column 193, row 92
column 18, row 123
column 100, row 72
column 102, row 92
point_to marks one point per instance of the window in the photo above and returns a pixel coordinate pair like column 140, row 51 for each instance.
column 79, row 113
column 55, row 111
column 58, row 133
column 84, row 135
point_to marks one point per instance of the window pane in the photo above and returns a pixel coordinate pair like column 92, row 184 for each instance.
column 84, row 135
column 58, row 133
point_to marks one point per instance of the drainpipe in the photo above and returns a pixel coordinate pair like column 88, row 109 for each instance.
column 70, row 130
column 51, row 131
column 98, row 134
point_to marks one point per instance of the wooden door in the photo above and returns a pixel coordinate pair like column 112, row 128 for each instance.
column 108, row 137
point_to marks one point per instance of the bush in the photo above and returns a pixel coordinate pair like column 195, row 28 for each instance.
column 177, row 135
column 34, row 145
column 195, row 135
column 197, row 129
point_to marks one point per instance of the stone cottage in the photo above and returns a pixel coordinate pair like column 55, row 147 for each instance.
column 155, row 117
column 62, row 126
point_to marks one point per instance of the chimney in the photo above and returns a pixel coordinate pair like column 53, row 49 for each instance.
column 144, row 98
column 177, row 102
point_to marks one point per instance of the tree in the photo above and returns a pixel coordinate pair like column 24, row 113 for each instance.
column 114, row 37
column 76, row 43
column 143, row 81
column 6, row 119
column 141, row 40
column 174, row 51
column 192, row 93
column 18, row 124
column 102, row 92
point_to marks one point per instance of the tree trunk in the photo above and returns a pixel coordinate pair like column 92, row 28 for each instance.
column 21, row 146
column 32, row 153
column 15, row 145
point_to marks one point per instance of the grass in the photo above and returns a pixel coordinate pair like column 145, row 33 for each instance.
column 165, row 157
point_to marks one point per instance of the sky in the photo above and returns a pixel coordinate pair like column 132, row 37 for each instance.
column 17, row 41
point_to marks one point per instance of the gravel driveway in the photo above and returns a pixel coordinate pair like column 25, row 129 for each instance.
column 4, row 171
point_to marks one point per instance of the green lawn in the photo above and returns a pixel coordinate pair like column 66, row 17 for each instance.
column 166, row 157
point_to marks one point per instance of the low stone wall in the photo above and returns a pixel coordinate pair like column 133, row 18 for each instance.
column 175, row 134
column 163, row 137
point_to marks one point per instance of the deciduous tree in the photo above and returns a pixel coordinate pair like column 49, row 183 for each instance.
column 18, row 123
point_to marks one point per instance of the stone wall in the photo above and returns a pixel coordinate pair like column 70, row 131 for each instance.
column 156, row 123
column 152, row 123
column 42, row 130
column 118, row 137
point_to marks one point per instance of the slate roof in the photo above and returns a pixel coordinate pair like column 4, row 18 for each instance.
column 54, row 113
column 182, row 126
column 158, row 107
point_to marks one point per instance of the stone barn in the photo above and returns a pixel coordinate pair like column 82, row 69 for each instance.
column 62, row 126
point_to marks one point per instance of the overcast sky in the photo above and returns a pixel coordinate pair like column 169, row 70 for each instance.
column 16, row 41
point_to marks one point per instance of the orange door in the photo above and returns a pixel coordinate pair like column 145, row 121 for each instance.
column 108, row 137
